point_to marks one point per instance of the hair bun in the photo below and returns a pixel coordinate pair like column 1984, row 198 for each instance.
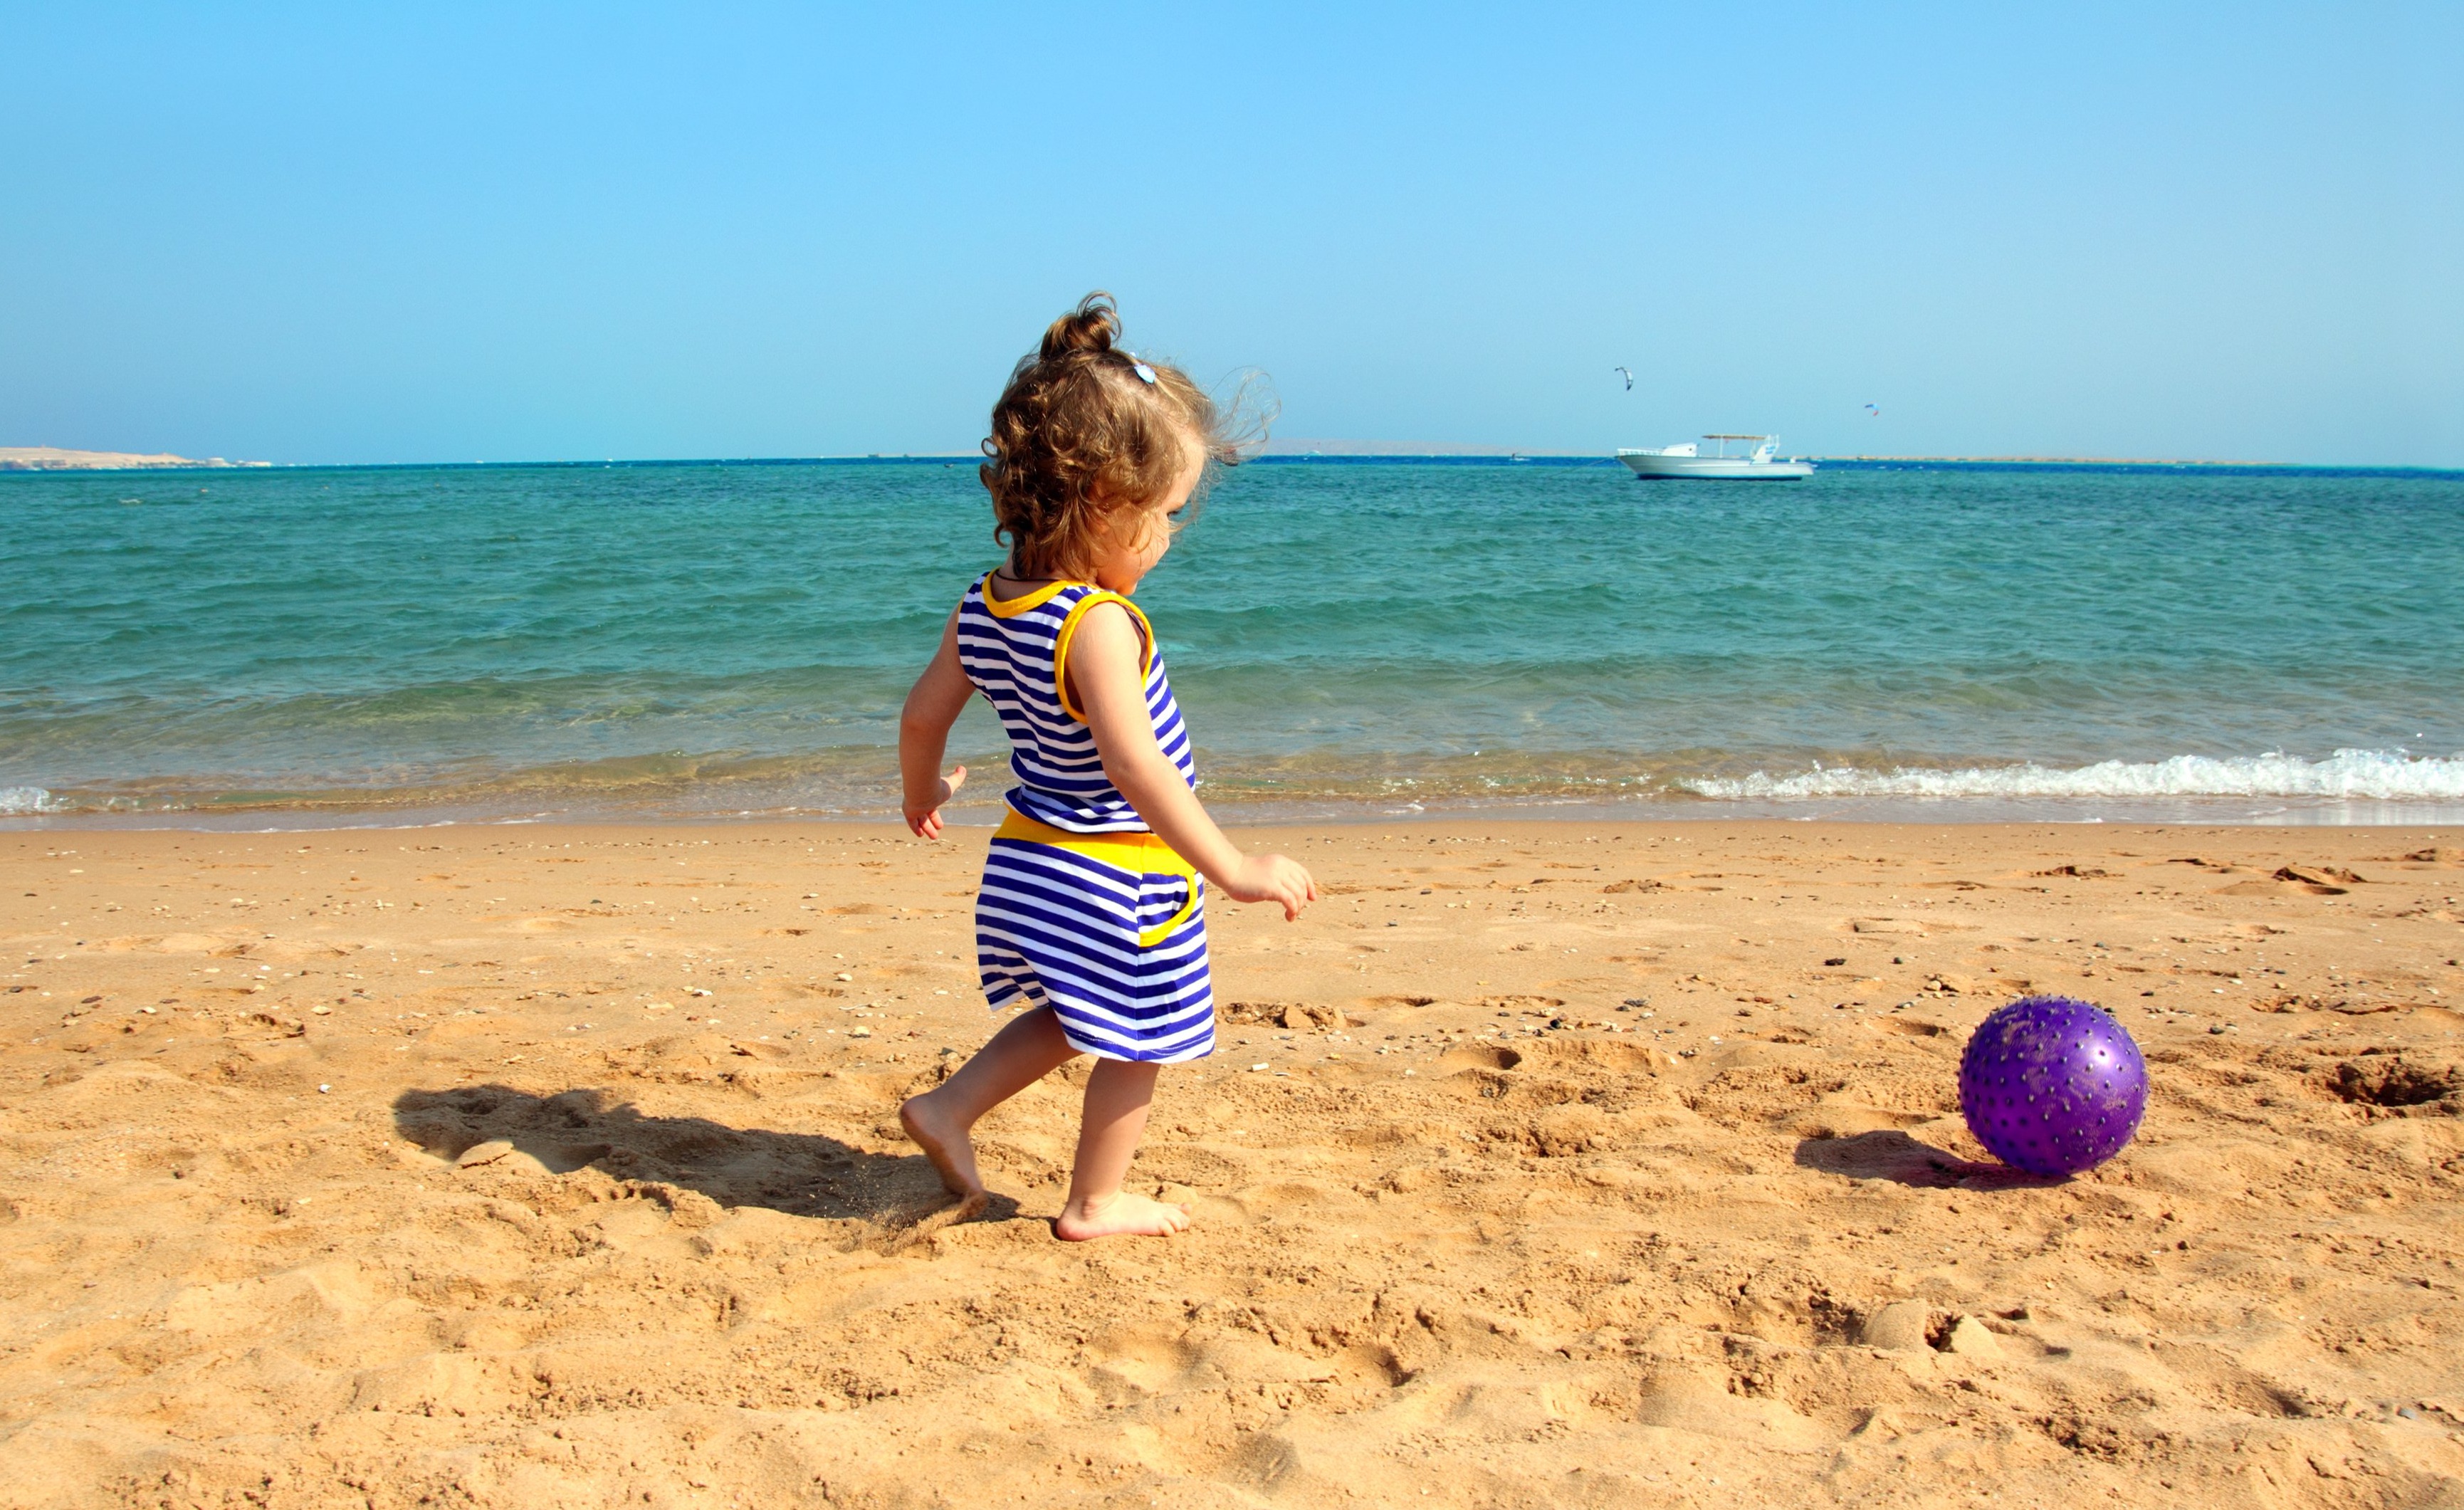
column 1092, row 326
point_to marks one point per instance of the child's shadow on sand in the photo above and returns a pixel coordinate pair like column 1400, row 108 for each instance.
column 1890, row 1154
column 801, row 1173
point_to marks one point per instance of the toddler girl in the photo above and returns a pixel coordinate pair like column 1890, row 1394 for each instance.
column 1091, row 908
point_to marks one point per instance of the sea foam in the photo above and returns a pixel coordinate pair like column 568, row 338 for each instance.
column 2379, row 775
column 15, row 801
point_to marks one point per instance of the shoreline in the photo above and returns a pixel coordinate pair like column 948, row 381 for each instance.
column 2349, row 788
column 2372, row 815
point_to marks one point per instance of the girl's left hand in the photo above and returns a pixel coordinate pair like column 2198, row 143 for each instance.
column 1272, row 878
column 925, row 822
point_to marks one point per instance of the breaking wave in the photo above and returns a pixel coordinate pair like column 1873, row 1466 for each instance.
column 2370, row 775
column 15, row 801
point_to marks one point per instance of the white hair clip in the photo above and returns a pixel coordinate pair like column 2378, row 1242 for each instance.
column 1146, row 374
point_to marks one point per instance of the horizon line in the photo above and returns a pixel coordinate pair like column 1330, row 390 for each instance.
column 1434, row 452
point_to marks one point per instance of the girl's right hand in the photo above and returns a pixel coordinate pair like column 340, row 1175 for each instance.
column 1272, row 878
column 924, row 820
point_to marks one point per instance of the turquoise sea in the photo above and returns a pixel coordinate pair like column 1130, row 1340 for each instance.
column 1348, row 638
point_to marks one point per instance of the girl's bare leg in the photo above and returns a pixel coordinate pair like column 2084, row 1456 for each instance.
column 1118, row 1094
column 1028, row 1048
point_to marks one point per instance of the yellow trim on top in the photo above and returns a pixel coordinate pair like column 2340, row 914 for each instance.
column 1070, row 632
column 1012, row 608
column 1144, row 854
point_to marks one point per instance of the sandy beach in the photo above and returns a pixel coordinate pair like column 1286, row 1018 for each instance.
column 1541, row 1165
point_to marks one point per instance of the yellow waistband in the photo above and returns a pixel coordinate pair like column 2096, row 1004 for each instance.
column 1142, row 852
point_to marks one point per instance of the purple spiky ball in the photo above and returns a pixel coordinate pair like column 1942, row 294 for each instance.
column 2051, row 1085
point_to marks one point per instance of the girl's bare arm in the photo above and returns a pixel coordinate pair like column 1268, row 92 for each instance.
column 1105, row 675
column 932, row 705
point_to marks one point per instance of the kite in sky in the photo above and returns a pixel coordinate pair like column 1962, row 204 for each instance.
column 1629, row 377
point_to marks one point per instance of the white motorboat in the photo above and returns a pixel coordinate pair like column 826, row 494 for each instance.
column 1762, row 464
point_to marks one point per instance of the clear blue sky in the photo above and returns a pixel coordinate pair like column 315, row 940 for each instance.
column 460, row 232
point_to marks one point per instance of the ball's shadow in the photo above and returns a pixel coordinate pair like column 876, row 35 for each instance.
column 801, row 1173
column 1890, row 1154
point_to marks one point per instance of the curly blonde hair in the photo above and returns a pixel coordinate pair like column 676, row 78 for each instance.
column 1085, row 431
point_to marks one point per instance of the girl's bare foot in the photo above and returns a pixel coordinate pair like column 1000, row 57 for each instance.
column 1119, row 1214
column 945, row 1142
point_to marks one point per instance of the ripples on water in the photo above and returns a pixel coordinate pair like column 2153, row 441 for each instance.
column 1346, row 637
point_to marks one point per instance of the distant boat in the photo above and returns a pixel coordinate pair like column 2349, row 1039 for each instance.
column 1762, row 464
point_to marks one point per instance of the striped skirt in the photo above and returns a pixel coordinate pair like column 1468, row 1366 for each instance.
column 1107, row 929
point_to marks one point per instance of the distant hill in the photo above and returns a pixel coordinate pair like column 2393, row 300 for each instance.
column 2073, row 461
column 50, row 458
column 1309, row 447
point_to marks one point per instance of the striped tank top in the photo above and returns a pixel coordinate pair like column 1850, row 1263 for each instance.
column 1082, row 910
column 1012, row 649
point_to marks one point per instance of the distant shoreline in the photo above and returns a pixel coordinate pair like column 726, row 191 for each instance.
column 2070, row 461
column 51, row 458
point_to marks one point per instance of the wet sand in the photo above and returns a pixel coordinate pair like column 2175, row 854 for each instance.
column 1540, row 1165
